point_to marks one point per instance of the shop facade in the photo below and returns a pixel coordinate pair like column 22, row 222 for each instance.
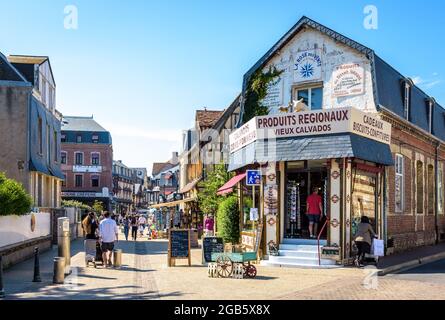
column 345, row 163
column 344, row 121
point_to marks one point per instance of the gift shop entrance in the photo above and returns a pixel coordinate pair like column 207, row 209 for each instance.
column 306, row 183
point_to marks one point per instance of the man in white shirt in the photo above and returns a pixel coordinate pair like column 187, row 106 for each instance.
column 109, row 235
column 142, row 221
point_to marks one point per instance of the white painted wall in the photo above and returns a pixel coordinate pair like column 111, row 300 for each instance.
column 16, row 229
column 333, row 54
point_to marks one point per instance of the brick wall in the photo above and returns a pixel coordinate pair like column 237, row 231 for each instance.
column 410, row 229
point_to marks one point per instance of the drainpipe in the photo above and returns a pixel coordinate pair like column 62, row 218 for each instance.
column 436, row 203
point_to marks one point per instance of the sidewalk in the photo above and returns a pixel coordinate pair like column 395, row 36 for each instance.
column 412, row 258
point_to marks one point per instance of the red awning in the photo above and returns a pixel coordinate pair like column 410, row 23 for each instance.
column 228, row 187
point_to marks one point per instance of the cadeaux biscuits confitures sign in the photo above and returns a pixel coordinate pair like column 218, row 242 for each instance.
column 312, row 123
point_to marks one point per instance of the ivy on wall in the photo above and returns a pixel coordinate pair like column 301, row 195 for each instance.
column 256, row 91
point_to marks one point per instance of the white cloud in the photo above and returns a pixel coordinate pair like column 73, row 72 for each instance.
column 430, row 84
column 417, row 80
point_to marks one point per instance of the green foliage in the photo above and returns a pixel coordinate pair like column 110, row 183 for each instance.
column 256, row 91
column 207, row 198
column 75, row 204
column 98, row 207
column 13, row 198
column 228, row 220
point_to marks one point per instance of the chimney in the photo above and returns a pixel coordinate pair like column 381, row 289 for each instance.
column 175, row 156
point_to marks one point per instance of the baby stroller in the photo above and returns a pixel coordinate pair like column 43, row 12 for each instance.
column 93, row 252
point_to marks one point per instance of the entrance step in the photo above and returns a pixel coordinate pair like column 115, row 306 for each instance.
column 300, row 260
column 313, row 242
column 282, row 264
column 298, row 253
column 299, row 247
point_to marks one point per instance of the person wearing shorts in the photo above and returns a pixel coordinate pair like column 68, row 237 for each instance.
column 108, row 232
column 314, row 211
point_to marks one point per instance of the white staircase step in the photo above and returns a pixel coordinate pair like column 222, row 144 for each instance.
column 299, row 247
column 298, row 253
column 299, row 260
column 268, row 263
column 304, row 242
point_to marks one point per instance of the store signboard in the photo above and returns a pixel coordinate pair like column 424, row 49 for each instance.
column 243, row 136
column 82, row 194
column 87, row 169
column 313, row 123
column 348, row 80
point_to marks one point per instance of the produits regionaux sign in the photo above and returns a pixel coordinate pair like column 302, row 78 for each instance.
column 312, row 123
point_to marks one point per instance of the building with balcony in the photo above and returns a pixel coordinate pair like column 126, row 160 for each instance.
column 30, row 127
column 87, row 161
column 123, row 188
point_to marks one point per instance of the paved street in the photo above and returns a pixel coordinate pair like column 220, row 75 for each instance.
column 145, row 275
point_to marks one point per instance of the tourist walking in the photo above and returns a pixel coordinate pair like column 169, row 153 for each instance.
column 134, row 227
column 108, row 232
column 363, row 240
column 126, row 223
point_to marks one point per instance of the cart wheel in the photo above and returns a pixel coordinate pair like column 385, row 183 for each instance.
column 251, row 271
column 224, row 266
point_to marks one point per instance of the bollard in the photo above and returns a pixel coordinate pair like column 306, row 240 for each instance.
column 2, row 292
column 59, row 270
column 117, row 258
column 36, row 266
column 63, row 241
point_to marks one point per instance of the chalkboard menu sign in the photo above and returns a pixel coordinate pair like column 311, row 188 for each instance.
column 211, row 245
column 179, row 246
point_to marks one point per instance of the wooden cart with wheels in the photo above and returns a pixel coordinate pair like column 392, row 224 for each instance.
column 225, row 263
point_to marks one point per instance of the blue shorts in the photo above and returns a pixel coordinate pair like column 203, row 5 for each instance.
column 314, row 218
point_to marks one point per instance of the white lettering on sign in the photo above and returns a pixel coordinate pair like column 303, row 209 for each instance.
column 307, row 66
column 348, row 80
column 312, row 123
column 243, row 136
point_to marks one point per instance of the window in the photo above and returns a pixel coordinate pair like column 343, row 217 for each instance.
column 430, row 115
column 312, row 97
column 440, row 190
column 40, row 135
column 48, row 144
column 63, row 138
column 406, row 100
column 94, row 181
column 431, row 191
column 399, row 183
column 95, row 138
column 79, row 138
column 56, row 143
column 63, row 157
column 95, row 159
column 419, row 187
column 79, row 181
column 79, row 158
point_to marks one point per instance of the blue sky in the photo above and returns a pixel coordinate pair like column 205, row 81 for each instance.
column 142, row 67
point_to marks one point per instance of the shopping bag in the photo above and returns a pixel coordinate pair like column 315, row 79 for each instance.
column 378, row 248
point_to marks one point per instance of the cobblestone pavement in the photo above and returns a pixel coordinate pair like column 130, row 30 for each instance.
column 145, row 275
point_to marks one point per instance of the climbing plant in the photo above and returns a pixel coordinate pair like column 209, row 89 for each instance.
column 256, row 91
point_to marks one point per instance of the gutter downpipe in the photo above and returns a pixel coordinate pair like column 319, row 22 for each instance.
column 436, row 203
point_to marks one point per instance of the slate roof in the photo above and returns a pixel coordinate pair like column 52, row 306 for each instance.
column 312, row 148
column 87, row 124
column 8, row 72
column 208, row 118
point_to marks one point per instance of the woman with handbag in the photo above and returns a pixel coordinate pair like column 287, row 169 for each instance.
column 363, row 240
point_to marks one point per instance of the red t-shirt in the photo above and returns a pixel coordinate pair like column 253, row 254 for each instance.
column 313, row 202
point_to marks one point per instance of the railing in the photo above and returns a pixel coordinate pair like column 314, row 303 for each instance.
column 318, row 240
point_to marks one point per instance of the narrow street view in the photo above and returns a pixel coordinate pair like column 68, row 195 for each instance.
column 221, row 150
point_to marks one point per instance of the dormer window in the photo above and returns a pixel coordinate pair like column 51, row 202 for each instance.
column 95, row 138
column 430, row 102
column 407, row 84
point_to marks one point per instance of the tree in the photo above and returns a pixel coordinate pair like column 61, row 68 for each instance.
column 76, row 204
column 98, row 207
column 228, row 220
column 13, row 198
column 207, row 198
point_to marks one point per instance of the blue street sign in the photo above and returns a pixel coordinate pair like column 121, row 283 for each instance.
column 253, row 177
